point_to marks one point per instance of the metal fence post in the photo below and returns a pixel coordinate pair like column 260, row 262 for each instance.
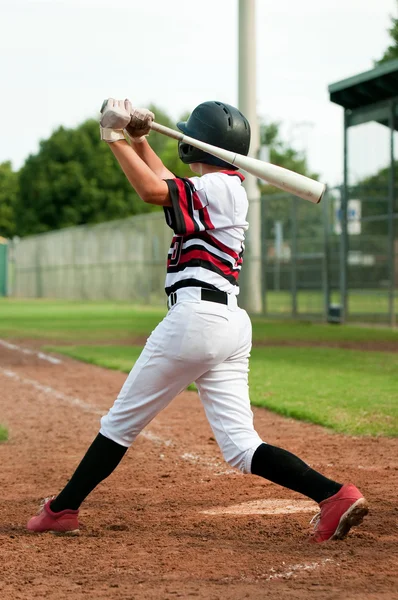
column 326, row 271
column 391, row 228
column 344, row 231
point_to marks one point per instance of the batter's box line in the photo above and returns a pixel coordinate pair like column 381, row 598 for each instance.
column 292, row 570
column 283, row 572
column 41, row 355
column 212, row 464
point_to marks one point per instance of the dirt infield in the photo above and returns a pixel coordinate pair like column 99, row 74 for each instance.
column 165, row 524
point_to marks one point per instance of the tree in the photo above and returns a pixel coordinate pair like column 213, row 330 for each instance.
column 277, row 205
column 392, row 50
column 166, row 147
column 374, row 193
column 75, row 179
column 281, row 153
column 8, row 198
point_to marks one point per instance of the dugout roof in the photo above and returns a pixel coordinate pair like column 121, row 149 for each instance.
column 371, row 87
column 368, row 97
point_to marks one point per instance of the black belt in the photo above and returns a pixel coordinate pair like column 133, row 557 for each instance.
column 207, row 295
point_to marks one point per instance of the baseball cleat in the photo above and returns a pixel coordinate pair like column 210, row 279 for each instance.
column 338, row 514
column 65, row 522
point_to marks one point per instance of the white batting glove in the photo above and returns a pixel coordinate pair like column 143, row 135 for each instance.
column 115, row 115
column 111, row 135
column 140, row 124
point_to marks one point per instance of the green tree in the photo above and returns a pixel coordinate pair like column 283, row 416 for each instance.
column 75, row 179
column 281, row 153
column 8, row 199
column 374, row 193
column 277, row 204
column 392, row 50
column 166, row 147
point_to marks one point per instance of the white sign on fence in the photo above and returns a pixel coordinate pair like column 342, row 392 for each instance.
column 353, row 217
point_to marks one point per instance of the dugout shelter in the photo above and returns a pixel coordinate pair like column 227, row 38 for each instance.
column 368, row 256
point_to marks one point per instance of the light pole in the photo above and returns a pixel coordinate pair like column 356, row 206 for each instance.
column 247, row 101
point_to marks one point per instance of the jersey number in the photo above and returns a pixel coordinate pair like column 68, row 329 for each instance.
column 176, row 254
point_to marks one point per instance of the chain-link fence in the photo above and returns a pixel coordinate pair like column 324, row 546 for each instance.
column 305, row 252
column 302, row 261
column 121, row 260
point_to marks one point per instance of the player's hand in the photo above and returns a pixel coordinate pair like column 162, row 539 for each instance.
column 115, row 115
column 140, row 124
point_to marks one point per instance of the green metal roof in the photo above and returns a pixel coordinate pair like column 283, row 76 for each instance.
column 376, row 85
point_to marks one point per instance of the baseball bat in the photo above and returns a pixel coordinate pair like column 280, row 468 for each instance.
column 284, row 179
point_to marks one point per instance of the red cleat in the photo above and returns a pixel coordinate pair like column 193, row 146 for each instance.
column 338, row 514
column 61, row 522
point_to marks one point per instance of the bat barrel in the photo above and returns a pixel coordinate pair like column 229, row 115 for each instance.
column 284, row 179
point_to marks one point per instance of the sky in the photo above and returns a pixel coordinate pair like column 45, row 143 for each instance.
column 60, row 58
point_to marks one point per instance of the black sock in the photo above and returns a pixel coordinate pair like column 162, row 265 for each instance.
column 100, row 460
column 284, row 468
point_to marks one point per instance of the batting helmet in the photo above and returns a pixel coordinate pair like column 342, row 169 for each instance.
column 218, row 124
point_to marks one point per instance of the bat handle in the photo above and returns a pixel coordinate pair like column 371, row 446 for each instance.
column 176, row 135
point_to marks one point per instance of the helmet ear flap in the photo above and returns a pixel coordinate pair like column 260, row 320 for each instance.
column 184, row 151
column 185, row 148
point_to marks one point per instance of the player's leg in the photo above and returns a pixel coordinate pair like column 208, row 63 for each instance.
column 225, row 395
column 184, row 345
column 165, row 367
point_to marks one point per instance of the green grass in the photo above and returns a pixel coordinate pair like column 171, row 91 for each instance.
column 296, row 331
column 360, row 302
column 3, row 434
column 349, row 391
column 77, row 322
column 121, row 358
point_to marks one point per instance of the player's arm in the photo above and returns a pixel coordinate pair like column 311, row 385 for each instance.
column 121, row 115
column 148, row 185
column 150, row 158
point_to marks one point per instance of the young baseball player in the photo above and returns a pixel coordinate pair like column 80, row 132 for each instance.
column 205, row 337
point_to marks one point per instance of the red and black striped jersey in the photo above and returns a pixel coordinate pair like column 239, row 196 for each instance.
column 208, row 217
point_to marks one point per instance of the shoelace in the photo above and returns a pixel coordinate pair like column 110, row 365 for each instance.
column 315, row 519
column 44, row 502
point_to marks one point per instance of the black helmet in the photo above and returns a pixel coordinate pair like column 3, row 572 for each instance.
column 218, row 124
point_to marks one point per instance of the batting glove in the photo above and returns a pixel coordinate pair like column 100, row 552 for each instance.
column 115, row 115
column 140, row 124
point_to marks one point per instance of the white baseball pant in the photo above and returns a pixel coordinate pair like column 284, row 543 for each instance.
column 200, row 341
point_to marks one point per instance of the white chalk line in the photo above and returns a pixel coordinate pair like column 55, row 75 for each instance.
column 41, row 355
column 264, row 507
column 292, row 570
column 284, row 572
column 46, row 389
column 212, row 463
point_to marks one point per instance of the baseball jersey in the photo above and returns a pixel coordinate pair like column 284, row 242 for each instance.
column 208, row 217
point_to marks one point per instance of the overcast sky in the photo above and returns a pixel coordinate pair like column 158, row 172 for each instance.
column 60, row 58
